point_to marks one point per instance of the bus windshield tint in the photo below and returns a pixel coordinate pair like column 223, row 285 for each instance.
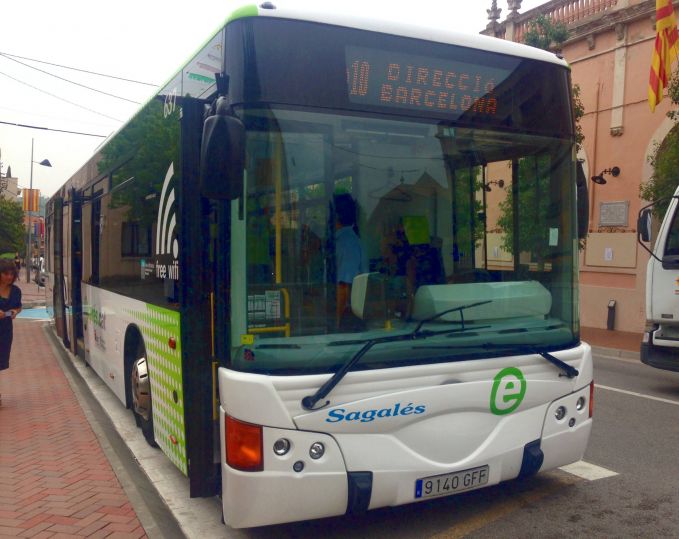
column 374, row 72
column 357, row 228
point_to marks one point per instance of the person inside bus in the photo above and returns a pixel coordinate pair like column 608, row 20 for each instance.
column 349, row 256
column 411, row 258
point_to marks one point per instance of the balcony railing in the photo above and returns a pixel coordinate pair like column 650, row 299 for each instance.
column 564, row 11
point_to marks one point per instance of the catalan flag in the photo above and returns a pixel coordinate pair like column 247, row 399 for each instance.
column 31, row 198
column 665, row 51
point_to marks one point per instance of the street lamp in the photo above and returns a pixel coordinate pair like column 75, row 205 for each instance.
column 44, row 163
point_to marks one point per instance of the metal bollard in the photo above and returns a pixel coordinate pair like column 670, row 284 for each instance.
column 610, row 323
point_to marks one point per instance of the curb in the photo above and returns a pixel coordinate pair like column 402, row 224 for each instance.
column 32, row 304
column 198, row 518
column 615, row 353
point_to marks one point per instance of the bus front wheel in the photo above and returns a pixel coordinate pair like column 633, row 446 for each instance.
column 142, row 405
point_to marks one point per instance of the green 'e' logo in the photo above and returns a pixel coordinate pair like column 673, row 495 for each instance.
column 509, row 389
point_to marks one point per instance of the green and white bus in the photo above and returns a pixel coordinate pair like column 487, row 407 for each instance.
column 332, row 266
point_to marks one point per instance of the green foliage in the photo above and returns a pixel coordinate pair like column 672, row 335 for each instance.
column 11, row 226
column 665, row 178
column 578, row 112
column 469, row 232
column 673, row 94
column 546, row 34
column 664, row 160
column 534, row 185
column 139, row 156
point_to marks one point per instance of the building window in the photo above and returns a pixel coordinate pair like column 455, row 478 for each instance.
column 136, row 239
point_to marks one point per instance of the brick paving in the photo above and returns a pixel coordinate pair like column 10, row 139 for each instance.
column 55, row 480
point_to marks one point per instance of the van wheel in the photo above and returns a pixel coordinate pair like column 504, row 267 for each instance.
column 142, row 405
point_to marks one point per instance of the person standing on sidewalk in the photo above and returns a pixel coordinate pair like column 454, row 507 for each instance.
column 10, row 306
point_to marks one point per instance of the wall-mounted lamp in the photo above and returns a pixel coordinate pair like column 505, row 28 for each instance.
column 614, row 171
column 499, row 183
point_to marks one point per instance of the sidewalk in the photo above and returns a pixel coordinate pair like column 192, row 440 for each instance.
column 32, row 295
column 611, row 343
column 55, row 480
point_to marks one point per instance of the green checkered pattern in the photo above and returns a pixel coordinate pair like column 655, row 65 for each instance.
column 157, row 325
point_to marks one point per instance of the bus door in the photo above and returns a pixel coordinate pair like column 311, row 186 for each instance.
column 200, row 283
column 58, row 281
column 76, row 322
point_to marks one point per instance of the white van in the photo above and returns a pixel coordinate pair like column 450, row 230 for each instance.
column 660, row 344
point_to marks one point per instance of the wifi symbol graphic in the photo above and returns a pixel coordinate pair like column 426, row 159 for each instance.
column 166, row 243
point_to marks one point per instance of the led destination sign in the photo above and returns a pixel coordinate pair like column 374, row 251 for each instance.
column 385, row 78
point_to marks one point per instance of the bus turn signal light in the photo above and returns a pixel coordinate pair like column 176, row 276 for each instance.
column 243, row 445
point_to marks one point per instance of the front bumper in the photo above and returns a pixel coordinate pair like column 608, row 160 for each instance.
column 655, row 355
column 359, row 472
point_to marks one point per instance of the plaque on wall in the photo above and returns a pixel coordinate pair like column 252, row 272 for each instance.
column 614, row 213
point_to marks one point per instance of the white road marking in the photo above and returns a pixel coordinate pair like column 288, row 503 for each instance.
column 633, row 394
column 588, row 471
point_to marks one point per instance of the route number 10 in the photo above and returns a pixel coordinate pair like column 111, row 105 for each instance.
column 358, row 77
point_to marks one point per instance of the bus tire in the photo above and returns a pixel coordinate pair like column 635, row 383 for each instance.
column 142, row 404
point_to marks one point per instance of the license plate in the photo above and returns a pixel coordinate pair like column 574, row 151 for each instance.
column 450, row 483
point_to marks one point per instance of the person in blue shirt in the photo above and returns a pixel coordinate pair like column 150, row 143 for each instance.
column 348, row 254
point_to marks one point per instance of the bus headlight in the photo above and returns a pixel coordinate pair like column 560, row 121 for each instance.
column 580, row 404
column 281, row 446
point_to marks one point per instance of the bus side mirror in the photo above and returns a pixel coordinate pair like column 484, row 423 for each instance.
column 222, row 156
column 582, row 197
column 644, row 225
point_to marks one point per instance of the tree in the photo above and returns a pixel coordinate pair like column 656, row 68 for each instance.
column 664, row 160
column 534, row 172
column 546, row 34
column 142, row 151
column 534, row 185
column 11, row 226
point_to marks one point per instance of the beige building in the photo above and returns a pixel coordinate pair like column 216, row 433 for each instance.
column 609, row 49
column 9, row 188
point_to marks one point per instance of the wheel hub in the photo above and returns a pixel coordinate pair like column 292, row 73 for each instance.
column 141, row 388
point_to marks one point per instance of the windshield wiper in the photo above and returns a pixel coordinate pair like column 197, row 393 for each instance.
column 310, row 401
column 570, row 372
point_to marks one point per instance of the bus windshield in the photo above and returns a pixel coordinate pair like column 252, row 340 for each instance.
column 355, row 228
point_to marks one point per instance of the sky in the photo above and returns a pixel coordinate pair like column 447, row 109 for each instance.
column 142, row 40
